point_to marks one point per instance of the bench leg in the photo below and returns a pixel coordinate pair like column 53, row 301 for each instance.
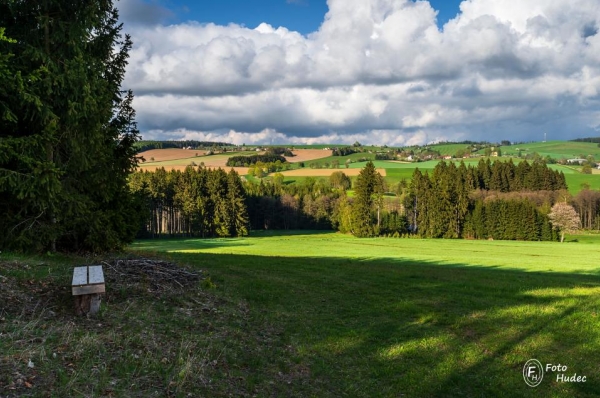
column 87, row 304
column 95, row 304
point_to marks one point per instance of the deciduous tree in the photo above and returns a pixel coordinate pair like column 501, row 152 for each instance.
column 339, row 180
column 564, row 219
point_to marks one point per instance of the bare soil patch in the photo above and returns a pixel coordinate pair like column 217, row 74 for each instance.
column 303, row 155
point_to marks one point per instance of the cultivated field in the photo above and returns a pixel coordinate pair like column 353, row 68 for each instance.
column 303, row 155
column 179, row 159
column 169, row 161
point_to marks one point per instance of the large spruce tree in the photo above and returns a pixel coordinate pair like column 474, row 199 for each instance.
column 368, row 183
column 237, row 206
column 66, row 128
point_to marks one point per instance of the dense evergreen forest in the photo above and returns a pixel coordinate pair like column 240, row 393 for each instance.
column 455, row 202
column 67, row 128
column 496, row 200
column 195, row 202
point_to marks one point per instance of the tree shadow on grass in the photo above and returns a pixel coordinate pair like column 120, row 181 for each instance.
column 185, row 244
column 290, row 232
column 398, row 327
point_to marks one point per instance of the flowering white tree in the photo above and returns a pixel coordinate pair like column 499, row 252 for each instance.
column 564, row 219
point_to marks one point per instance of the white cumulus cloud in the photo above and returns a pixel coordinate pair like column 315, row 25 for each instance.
column 376, row 71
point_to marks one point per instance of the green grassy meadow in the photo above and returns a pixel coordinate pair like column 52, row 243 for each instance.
column 576, row 181
column 310, row 314
column 555, row 149
column 449, row 149
column 411, row 317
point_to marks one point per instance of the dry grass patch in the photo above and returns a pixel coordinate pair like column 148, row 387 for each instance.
column 158, row 334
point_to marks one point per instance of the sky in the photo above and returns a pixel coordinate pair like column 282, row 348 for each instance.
column 394, row 72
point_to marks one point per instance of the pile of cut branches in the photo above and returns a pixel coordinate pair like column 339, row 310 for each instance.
column 160, row 276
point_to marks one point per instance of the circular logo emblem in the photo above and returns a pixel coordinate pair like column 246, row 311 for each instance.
column 533, row 372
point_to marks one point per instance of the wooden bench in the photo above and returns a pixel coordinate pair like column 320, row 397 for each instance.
column 87, row 285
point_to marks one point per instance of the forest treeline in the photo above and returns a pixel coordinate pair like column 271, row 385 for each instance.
column 496, row 200
column 595, row 140
column 245, row 161
column 194, row 202
column 473, row 202
column 344, row 151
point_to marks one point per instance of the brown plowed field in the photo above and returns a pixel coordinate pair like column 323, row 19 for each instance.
column 324, row 172
column 161, row 155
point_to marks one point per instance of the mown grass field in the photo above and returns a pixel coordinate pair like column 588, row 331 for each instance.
column 312, row 314
column 555, row 149
column 389, row 317
column 449, row 149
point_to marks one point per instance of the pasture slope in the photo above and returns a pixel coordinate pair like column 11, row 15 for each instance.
column 407, row 317
column 555, row 149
